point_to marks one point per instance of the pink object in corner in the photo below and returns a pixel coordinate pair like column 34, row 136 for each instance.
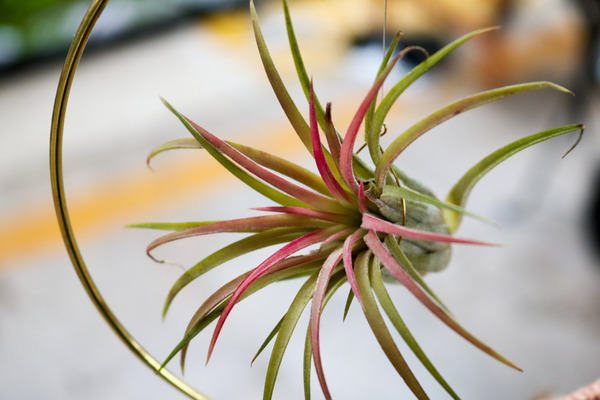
column 591, row 392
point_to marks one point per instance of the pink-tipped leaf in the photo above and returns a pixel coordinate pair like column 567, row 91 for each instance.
column 349, row 262
column 347, row 150
column 380, row 225
column 332, row 184
column 289, row 249
column 309, row 197
column 310, row 213
column 315, row 314
column 250, row 224
column 399, row 273
column 241, row 174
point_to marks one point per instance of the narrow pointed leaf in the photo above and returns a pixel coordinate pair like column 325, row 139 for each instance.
column 324, row 118
column 445, row 113
column 290, row 267
column 170, row 226
column 299, row 63
column 380, row 330
column 271, row 161
column 460, row 191
column 333, row 139
column 306, row 196
column 384, row 62
column 404, row 262
column 310, row 213
column 371, row 111
column 287, row 250
column 380, row 225
column 289, row 324
column 391, row 193
column 249, row 224
column 348, row 303
column 348, row 260
column 246, row 245
column 332, row 184
column 268, row 340
column 306, row 363
column 215, row 304
column 392, row 313
column 238, row 172
column 327, row 126
column 347, row 150
column 392, row 265
column 362, row 202
column 315, row 314
column 187, row 143
column 395, row 92
column 284, row 98
column 283, row 166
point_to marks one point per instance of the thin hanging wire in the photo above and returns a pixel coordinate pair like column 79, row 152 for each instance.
column 383, row 38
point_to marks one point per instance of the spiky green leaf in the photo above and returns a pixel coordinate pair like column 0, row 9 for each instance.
column 238, row 172
column 236, row 249
column 394, row 194
column 460, row 191
column 444, row 114
column 395, row 92
column 396, row 320
column 379, row 328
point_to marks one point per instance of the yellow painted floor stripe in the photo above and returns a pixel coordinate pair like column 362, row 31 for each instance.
column 34, row 228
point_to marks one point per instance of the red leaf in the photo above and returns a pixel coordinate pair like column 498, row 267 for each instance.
column 315, row 314
column 332, row 184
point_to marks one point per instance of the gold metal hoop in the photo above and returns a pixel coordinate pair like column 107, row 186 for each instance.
column 58, row 117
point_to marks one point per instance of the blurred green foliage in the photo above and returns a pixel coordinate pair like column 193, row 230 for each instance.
column 19, row 12
column 35, row 29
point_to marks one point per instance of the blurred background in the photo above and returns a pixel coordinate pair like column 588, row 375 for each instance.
column 535, row 299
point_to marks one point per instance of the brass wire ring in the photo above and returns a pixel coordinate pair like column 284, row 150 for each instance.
column 56, row 175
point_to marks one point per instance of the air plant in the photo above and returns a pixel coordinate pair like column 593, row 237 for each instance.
column 370, row 225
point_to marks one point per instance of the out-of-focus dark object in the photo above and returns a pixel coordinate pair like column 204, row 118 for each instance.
column 587, row 80
column 593, row 214
column 586, row 85
column 35, row 30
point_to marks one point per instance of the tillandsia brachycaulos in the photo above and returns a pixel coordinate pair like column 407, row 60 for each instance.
column 370, row 225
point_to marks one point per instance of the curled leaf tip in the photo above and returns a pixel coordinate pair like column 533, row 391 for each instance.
column 148, row 160
column 156, row 260
column 581, row 129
